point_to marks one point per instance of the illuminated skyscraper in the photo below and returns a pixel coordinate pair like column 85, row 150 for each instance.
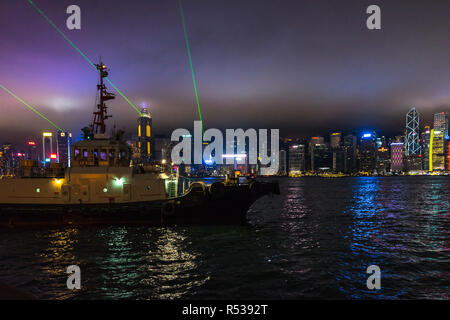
column 426, row 135
column 397, row 156
column 335, row 140
column 145, row 141
column 412, row 133
column 32, row 150
column 441, row 122
column 47, row 146
column 367, row 153
column 63, row 143
column 382, row 160
column 437, row 156
column 296, row 158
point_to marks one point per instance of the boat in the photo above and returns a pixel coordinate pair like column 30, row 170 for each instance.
column 103, row 186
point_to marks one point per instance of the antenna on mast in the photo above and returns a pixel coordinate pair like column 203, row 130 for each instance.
column 98, row 125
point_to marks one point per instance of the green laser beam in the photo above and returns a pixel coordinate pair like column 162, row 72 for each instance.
column 30, row 107
column 190, row 60
column 82, row 54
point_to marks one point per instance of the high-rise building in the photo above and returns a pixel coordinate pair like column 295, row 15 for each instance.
column 283, row 164
column 32, row 153
column 441, row 122
column 339, row 159
column 412, row 133
column 367, row 153
column 447, row 143
column 425, row 141
column 144, row 141
column 350, row 154
column 436, row 154
column 335, row 140
column 397, row 156
column 296, row 158
column 383, row 160
column 63, row 143
column 319, row 154
column 47, row 147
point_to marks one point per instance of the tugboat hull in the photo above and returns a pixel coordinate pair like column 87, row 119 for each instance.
column 226, row 204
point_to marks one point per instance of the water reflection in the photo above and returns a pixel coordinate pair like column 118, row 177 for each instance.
column 316, row 240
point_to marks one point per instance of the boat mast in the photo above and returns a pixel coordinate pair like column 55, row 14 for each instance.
column 98, row 125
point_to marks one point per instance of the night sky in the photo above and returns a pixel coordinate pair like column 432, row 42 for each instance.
column 305, row 67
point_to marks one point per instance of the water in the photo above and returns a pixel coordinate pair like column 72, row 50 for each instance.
column 316, row 240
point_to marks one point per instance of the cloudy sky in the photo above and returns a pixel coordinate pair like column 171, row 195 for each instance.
column 306, row 67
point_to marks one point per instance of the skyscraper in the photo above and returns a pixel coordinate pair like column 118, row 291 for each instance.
column 397, row 156
column 367, row 153
column 296, row 158
column 335, row 140
column 63, row 143
column 426, row 135
column 441, row 122
column 437, row 157
column 283, row 168
column 145, row 141
column 412, row 133
column 47, row 146
column 350, row 154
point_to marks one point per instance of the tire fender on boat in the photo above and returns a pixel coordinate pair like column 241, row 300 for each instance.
column 217, row 190
column 256, row 188
column 168, row 208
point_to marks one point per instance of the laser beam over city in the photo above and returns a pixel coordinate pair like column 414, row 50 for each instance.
column 30, row 107
column 188, row 49
column 82, row 54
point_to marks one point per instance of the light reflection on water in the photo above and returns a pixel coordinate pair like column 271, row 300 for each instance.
column 314, row 241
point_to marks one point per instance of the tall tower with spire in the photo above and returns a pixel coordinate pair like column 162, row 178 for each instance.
column 412, row 132
column 145, row 143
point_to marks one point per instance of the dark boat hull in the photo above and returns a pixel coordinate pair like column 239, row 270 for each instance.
column 200, row 205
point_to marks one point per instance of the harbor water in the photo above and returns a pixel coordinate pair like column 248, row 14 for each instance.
column 315, row 240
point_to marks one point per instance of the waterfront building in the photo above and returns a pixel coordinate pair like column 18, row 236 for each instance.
column 425, row 141
column 383, row 160
column 397, row 157
column 335, row 140
column 296, row 158
column 447, row 152
column 367, row 153
column 350, row 154
column 339, row 160
column 321, row 158
column 283, row 163
column 437, row 158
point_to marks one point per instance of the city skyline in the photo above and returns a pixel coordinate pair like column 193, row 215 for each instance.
column 320, row 75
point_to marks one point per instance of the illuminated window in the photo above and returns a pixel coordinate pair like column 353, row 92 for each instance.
column 139, row 130
column 139, row 144
column 148, row 147
column 148, row 130
column 103, row 155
